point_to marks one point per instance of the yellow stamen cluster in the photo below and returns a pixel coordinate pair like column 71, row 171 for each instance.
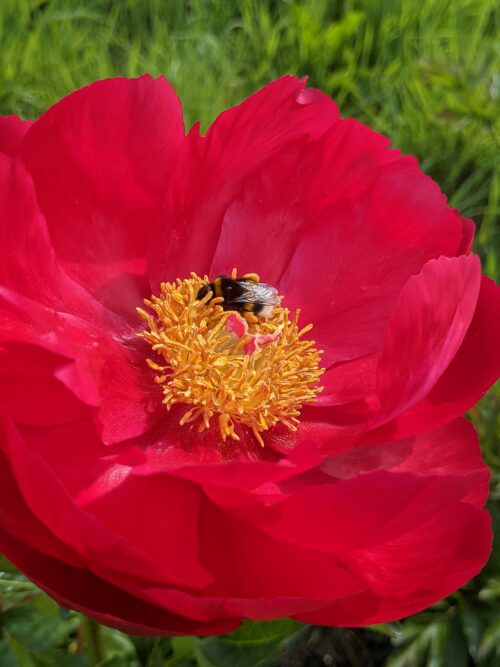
column 204, row 366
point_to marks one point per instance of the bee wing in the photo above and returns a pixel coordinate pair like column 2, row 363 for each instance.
column 258, row 293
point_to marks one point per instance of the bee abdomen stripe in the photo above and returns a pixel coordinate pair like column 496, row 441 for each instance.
column 217, row 283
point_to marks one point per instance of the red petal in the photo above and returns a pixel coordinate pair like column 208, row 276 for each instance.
column 103, row 370
column 96, row 481
column 23, row 321
column 292, row 579
column 262, row 226
column 29, row 265
column 30, row 389
column 345, row 163
column 468, row 231
column 451, row 450
column 206, row 608
column 84, row 465
column 363, row 511
column 80, row 589
column 12, row 131
column 427, row 327
column 378, row 521
column 169, row 535
column 18, row 523
column 474, row 368
column 372, row 517
column 21, row 524
column 427, row 562
column 360, row 256
column 205, row 458
column 104, row 550
column 90, row 475
column 348, row 381
column 101, row 159
column 211, row 169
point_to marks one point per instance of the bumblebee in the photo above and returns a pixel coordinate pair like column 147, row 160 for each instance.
column 247, row 295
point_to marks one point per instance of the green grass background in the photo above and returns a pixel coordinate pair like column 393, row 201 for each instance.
column 424, row 72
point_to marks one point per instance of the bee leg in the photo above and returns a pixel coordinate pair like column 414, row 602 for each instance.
column 252, row 277
column 251, row 318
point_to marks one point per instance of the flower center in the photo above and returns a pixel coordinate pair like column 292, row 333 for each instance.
column 238, row 370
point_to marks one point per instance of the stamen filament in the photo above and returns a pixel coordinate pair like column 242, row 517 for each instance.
column 255, row 379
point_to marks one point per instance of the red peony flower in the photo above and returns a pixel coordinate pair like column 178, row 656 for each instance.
column 181, row 467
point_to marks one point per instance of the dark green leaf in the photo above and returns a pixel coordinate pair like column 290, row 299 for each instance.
column 156, row 656
column 490, row 641
column 251, row 631
column 472, row 625
column 7, row 658
column 117, row 643
column 60, row 659
column 248, row 646
column 117, row 661
column 34, row 629
column 448, row 645
column 22, row 656
column 184, row 650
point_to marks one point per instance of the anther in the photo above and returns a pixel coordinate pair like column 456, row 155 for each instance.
column 243, row 372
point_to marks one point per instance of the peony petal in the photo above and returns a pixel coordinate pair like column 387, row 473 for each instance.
column 18, row 523
column 468, row 231
column 352, row 262
column 80, row 589
column 272, row 578
column 212, row 169
column 346, row 163
column 104, row 371
column 17, row 520
column 207, row 608
column 344, row 613
column 349, row 381
column 205, row 458
column 30, row 389
column 30, row 265
column 170, row 534
column 101, row 190
column 427, row 327
column 95, row 480
column 98, row 545
column 409, row 573
column 12, row 131
column 262, row 226
column 451, row 450
column 428, row 562
column 379, row 523
column 25, row 322
column 364, row 510
column 83, row 466
column 474, row 368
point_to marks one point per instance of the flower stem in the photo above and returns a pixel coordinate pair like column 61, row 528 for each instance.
column 93, row 641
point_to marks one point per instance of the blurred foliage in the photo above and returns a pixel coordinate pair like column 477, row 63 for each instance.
column 424, row 72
